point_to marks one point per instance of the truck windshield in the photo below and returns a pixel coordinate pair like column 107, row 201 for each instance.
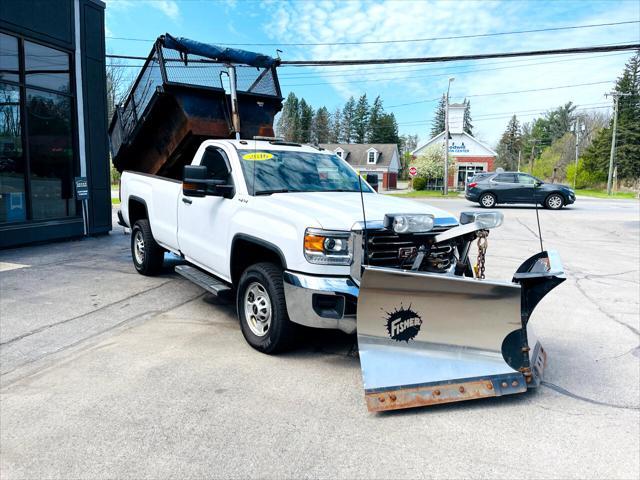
column 280, row 171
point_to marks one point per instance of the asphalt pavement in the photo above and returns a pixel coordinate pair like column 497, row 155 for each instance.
column 108, row 374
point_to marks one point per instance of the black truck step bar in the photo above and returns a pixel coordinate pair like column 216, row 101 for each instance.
column 210, row 283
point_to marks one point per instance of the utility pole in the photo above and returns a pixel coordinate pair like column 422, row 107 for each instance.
column 519, row 158
column 533, row 151
column 616, row 96
column 577, row 128
column 445, row 190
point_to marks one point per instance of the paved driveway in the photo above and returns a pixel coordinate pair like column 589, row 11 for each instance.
column 105, row 373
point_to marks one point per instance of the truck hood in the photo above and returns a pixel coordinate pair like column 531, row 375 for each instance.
column 340, row 210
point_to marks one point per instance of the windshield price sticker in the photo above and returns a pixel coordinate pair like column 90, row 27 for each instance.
column 257, row 156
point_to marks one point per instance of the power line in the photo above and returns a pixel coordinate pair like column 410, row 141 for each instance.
column 457, row 58
column 454, row 58
column 412, row 40
column 504, row 93
column 444, row 74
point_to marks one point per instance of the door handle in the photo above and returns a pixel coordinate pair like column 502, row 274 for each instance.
column 186, row 200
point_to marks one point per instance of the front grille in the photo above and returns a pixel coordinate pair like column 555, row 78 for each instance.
column 388, row 249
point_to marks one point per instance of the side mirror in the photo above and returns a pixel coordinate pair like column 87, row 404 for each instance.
column 537, row 183
column 196, row 183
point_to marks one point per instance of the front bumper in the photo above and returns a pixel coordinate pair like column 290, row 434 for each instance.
column 321, row 302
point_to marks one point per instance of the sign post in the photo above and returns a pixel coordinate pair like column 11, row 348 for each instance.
column 82, row 194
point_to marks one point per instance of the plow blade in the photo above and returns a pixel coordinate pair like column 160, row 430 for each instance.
column 427, row 339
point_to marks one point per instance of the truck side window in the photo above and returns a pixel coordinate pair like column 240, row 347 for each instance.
column 213, row 158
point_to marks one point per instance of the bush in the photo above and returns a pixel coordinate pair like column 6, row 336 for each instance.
column 585, row 178
column 419, row 183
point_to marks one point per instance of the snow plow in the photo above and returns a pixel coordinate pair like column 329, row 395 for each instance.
column 427, row 338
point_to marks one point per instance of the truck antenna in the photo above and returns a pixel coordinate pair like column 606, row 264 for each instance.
column 364, row 218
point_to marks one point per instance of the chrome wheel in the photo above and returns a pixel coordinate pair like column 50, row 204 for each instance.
column 487, row 201
column 138, row 247
column 554, row 202
column 257, row 309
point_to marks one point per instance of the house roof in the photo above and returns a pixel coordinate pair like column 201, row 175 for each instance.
column 356, row 153
column 440, row 137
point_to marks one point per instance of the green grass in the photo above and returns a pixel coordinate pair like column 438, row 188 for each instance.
column 603, row 194
column 426, row 193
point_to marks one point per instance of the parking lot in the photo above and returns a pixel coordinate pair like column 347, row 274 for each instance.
column 106, row 373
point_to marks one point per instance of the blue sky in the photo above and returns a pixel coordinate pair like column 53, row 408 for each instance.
column 295, row 22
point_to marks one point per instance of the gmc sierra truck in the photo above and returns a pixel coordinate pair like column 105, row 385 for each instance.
column 282, row 226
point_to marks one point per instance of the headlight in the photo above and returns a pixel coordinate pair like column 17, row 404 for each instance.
column 408, row 223
column 327, row 247
column 486, row 220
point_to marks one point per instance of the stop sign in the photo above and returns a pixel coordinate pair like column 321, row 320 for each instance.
column 413, row 171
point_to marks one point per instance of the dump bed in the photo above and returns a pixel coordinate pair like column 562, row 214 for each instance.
column 180, row 99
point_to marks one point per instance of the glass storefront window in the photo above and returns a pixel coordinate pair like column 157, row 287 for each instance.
column 50, row 140
column 13, row 205
column 9, row 64
column 46, row 67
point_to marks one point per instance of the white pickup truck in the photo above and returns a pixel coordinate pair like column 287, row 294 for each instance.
column 280, row 226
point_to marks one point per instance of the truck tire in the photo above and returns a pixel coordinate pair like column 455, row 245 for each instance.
column 146, row 254
column 262, row 309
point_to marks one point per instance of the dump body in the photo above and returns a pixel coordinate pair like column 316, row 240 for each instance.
column 178, row 101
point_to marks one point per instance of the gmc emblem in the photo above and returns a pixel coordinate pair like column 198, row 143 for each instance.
column 406, row 252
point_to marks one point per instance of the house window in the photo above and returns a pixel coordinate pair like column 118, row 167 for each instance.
column 339, row 153
column 371, row 156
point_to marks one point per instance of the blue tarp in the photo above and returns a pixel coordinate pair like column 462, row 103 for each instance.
column 218, row 53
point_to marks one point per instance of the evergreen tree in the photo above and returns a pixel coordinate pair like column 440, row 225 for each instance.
column 437, row 126
column 627, row 155
column 321, row 126
column 510, row 145
column 387, row 131
column 361, row 119
column 375, row 115
column 288, row 123
column 335, row 133
column 468, row 126
column 306, row 122
column 348, row 114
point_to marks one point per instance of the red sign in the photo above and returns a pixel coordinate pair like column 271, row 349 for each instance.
column 413, row 171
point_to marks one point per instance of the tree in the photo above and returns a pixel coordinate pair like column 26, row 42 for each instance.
column 335, row 133
column 348, row 114
column 361, row 119
column 306, row 122
column 373, row 131
column 430, row 164
column 510, row 145
column 408, row 143
column 321, row 126
column 288, row 123
column 387, row 131
column 596, row 156
column 468, row 126
column 438, row 126
column 117, row 82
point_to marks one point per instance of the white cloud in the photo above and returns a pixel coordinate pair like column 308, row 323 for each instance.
column 168, row 7
column 359, row 21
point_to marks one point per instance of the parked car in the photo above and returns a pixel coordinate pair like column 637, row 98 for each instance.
column 515, row 187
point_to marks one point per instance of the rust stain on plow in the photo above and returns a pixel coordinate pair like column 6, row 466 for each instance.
column 432, row 395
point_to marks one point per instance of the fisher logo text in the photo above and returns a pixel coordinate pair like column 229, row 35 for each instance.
column 403, row 324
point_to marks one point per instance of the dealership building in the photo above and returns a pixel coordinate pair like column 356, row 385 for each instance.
column 53, row 121
column 467, row 154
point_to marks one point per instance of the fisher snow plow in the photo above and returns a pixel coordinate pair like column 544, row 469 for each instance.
column 430, row 338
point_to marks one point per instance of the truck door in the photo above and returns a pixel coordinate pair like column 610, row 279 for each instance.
column 203, row 222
